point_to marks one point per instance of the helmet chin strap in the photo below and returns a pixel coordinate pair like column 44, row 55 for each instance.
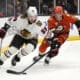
column 31, row 21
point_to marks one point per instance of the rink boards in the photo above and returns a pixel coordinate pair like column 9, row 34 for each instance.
column 73, row 35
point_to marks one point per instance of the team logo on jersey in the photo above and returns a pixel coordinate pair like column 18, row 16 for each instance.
column 25, row 33
column 68, row 14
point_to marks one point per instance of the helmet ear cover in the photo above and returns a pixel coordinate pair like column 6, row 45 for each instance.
column 32, row 11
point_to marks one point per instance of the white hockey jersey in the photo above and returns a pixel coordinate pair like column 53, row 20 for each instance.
column 35, row 29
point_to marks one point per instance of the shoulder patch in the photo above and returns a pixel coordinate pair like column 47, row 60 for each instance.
column 39, row 23
column 68, row 14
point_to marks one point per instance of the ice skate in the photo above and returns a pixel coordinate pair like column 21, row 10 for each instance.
column 15, row 60
column 1, row 62
column 47, row 60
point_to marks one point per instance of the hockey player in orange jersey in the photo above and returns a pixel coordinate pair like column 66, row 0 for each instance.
column 59, row 24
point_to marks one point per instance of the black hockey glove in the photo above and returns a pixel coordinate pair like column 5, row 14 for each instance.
column 55, row 44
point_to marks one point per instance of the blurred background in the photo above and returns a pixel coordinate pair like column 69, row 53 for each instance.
column 45, row 7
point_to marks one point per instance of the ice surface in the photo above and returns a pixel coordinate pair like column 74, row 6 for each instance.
column 65, row 66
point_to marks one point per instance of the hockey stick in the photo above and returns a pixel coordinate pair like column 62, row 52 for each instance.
column 0, row 46
column 23, row 71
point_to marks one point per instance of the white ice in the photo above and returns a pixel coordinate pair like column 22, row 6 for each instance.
column 65, row 66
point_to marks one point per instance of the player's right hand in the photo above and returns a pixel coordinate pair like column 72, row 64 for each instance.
column 2, row 33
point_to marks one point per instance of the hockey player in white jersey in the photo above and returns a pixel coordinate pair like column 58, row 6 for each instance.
column 26, row 29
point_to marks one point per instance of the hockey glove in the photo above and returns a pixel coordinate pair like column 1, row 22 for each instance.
column 2, row 33
column 55, row 44
column 3, row 30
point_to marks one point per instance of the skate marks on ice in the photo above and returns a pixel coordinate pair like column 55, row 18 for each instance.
column 65, row 66
column 68, row 59
column 41, row 71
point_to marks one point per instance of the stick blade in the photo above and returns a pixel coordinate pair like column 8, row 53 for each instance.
column 14, row 72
